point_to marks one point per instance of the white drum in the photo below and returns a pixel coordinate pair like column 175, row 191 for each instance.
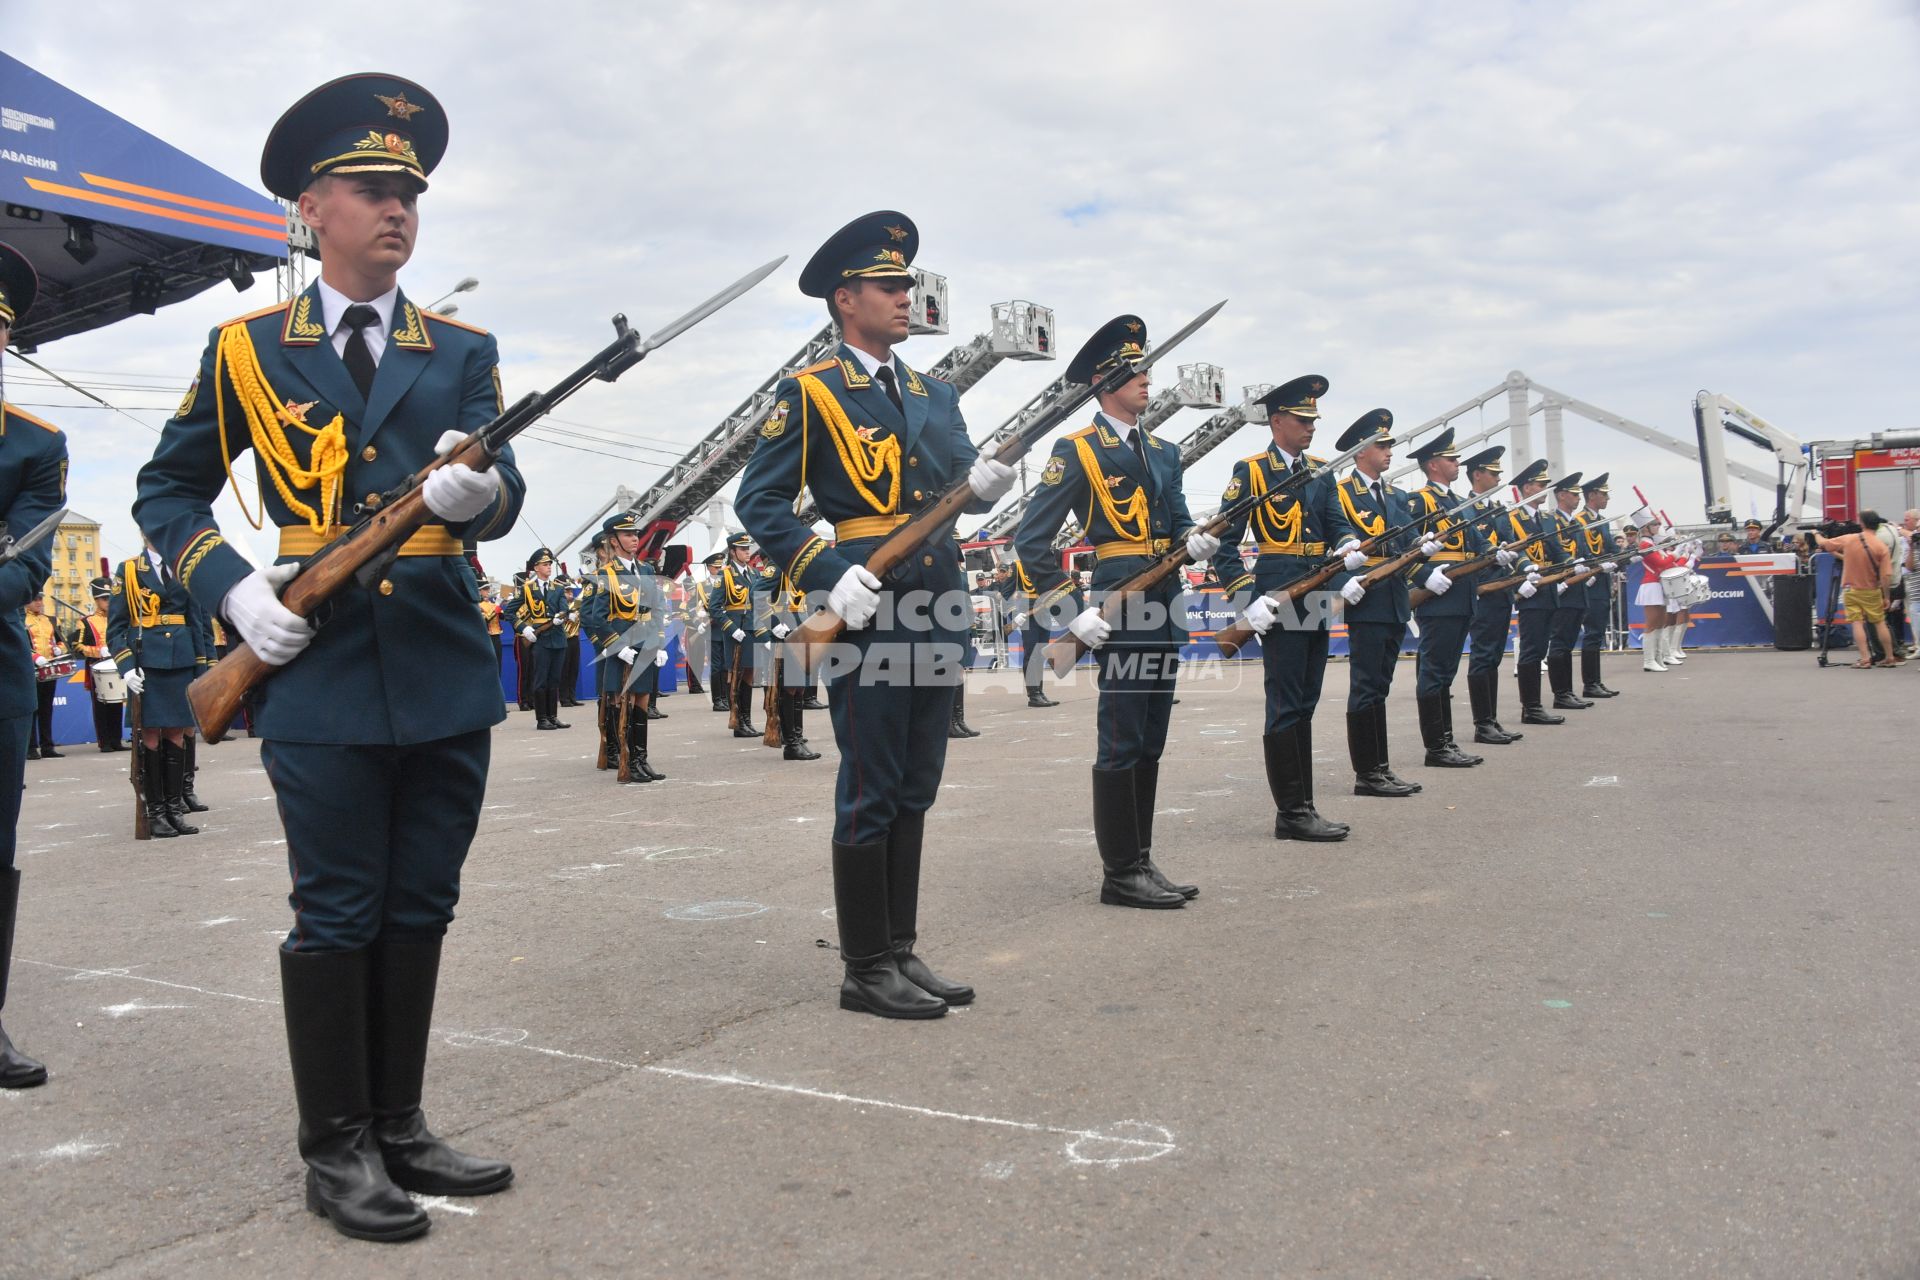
column 1674, row 585
column 107, row 684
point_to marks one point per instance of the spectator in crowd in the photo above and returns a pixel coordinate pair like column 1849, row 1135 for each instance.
column 47, row 646
column 1727, row 549
column 1756, row 543
column 1908, row 559
column 1866, row 576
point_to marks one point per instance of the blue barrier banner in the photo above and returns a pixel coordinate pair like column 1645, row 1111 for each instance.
column 1740, row 609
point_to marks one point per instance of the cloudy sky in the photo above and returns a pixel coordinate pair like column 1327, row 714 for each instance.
column 1628, row 201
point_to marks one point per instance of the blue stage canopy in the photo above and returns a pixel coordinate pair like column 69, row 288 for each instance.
column 113, row 219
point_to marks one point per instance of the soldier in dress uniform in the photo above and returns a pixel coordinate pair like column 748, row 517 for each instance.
column 1126, row 488
column 377, row 726
column 875, row 442
column 1534, row 607
column 960, row 728
column 1602, row 547
column 161, row 641
column 709, row 595
column 794, row 687
column 539, row 613
column 1570, row 603
column 1293, row 534
column 1444, row 618
column 1377, row 618
column 33, row 485
column 570, row 655
column 1493, row 611
column 735, row 621
column 1024, row 600
column 621, row 615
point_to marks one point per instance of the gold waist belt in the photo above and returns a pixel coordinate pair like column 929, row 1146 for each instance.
column 1448, row 557
column 1154, row 547
column 1292, row 548
column 166, row 620
column 867, row 527
column 1377, row 560
column 429, row 540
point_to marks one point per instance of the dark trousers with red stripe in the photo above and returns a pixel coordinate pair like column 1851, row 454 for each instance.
column 376, row 835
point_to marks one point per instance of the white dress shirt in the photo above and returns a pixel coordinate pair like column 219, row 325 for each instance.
column 333, row 310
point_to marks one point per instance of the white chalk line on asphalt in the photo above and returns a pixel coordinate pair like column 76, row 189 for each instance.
column 131, row 976
column 1111, row 1147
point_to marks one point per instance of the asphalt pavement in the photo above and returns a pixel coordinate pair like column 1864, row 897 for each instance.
column 1630, row 999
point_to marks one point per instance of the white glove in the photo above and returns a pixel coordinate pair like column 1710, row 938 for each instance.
column 739, row 636
column 1353, row 556
column 1438, row 582
column 1613, row 566
column 526, row 633
column 780, row 630
column 457, row 492
column 1533, row 573
column 856, row 597
column 1560, row 588
column 1091, row 627
column 270, row 629
column 1353, row 592
column 1201, row 546
column 1505, row 558
column 660, row 658
column 1431, row 547
column 627, row 655
column 1261, row 615
column 1637, row 559
column 136, row 681
column 1579, row 562
column 1527, row 590
column 989, row 479
column 1020, row 619
column 573, row 615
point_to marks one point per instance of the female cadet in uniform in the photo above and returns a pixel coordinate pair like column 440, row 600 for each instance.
column 160, row 641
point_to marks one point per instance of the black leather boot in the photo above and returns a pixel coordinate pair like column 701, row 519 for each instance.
column 1146, row 787
column 1370, row 776
column 960, row 728
column 1527, row 676
column 553, row 711
column 1560, row 675
column 1380, row 741
column 153, row 782
column 793, row 729
column 542, row 716
column 17, row 1070
column 903, row 909
column 1289, row 755
column 325, row 998
column 743, row 698
column 1441, row 752
column 873, row 982
column 1446, row 723
column 175, row 764
column 1116, row 823
column 1493, row 706
column 694, row 686
column 193, row 802
column 811, row 702
column 399, row 1019
column 1590, row 686
column 1036, row 697
column 639, row 769
column 1482, row 689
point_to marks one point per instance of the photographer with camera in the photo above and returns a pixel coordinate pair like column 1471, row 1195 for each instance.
column 1866, row 580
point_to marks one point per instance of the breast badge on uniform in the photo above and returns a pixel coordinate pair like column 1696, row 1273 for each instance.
column 1056, row 471
column 1114, row 482
column 1233, row 490
column 776, row 422
column 294, row 412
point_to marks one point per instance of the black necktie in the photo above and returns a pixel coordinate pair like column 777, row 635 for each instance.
column 885, row 374
column 359, row 356
column 1380, row 496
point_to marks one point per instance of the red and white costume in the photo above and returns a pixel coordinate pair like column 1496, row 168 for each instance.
column 1654, row 562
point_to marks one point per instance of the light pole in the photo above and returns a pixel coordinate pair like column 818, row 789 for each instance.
column 466, row 285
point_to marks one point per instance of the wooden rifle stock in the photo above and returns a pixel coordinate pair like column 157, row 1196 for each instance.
column 1235, row 636
column 771, row 737
column 137, row 762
